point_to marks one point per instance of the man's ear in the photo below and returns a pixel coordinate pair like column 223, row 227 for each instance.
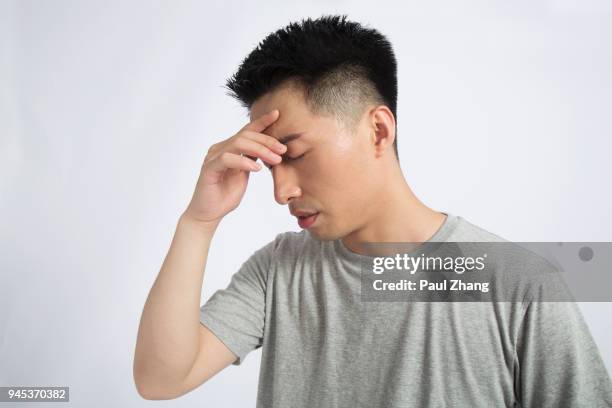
column 383, row 129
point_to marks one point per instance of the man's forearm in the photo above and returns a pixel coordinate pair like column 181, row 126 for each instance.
column 168, row 335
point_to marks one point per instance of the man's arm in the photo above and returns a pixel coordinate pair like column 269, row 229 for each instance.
column 559, row 363
column 174, row 351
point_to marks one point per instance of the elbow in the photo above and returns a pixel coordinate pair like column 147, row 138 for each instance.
column 153, row 395
column 151, row 391
column 147, row 393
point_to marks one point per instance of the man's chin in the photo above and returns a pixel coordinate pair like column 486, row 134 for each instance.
column 324, row 235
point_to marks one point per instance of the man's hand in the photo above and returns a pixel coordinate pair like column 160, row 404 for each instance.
column 227, row 165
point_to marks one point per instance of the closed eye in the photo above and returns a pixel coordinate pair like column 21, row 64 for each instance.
column 286, row 159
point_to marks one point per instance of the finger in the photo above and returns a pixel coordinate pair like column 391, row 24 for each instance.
column 266, row 140
column 249, row 147
column 227, row 160
column 262, row 122
column 250, row 157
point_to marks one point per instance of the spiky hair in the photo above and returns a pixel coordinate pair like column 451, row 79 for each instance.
column 341, row 67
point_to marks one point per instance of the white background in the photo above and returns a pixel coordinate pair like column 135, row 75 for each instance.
column 107, row 110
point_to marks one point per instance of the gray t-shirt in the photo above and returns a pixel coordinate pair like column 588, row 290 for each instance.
column 298, row 299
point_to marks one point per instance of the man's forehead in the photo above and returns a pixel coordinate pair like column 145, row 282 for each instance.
column 284, row 128
column 286, row 98
column 282, row 134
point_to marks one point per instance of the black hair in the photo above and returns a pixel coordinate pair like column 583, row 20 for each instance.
column 340, row 65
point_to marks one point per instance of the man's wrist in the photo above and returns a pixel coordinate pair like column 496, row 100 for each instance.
column 191, row 222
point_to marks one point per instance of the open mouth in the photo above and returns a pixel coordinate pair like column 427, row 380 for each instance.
column 306, row 221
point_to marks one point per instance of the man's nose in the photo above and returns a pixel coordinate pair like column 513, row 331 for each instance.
column 285, row 185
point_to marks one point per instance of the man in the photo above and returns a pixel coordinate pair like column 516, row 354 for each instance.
column 322, row 101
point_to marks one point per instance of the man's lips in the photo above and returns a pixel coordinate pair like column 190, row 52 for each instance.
column 306, row 221
column 302, row 213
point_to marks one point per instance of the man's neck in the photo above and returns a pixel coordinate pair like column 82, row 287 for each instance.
column 400, row 217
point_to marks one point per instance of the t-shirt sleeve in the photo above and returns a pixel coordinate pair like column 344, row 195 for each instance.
column 236, row 314
column 559, row 363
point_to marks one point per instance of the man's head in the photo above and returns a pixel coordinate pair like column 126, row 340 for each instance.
column 334, row 83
